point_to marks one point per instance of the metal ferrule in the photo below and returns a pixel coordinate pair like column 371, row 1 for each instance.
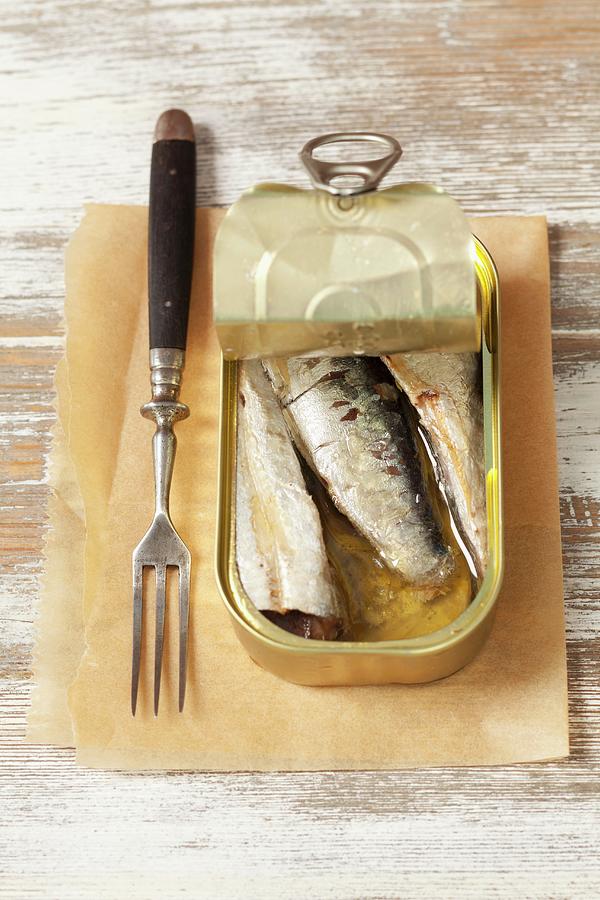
column 166, row 370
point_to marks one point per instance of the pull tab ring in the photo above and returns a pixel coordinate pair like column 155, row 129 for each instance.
column 366, row 173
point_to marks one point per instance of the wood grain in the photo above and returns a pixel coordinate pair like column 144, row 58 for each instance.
column 499, row 103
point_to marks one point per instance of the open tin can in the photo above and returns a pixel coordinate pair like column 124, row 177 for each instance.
column 436, row 289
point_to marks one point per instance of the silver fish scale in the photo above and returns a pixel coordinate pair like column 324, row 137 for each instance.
column 347, row 419
column 446, row 391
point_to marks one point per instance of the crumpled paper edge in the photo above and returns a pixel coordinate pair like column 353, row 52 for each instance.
column 59, row 627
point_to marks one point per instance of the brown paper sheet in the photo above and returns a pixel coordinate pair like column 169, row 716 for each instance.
column 80, row 479
column 509, row 705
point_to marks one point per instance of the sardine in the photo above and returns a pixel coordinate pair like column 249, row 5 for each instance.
column 345, row 417
column 445, row 389
column 280, row 550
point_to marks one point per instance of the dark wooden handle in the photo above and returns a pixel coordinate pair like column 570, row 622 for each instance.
column 171, row 239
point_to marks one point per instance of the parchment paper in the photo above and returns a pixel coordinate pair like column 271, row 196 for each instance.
column 508, row 705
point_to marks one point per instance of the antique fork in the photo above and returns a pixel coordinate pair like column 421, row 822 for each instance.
column 170, row 263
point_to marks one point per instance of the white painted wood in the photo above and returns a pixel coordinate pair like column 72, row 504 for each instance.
column 497, row 101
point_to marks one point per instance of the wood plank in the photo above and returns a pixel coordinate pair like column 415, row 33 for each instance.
column 498, row 102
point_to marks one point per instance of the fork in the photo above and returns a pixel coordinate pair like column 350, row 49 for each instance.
column 170, row 264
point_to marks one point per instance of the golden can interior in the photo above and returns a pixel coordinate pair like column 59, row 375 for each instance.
column 381, row 609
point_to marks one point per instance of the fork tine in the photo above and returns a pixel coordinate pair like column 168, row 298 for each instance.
column 184, row 609
column 160, row 630
column 137, row 633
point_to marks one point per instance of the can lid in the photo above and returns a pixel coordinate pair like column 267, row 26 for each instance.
column 345, row 269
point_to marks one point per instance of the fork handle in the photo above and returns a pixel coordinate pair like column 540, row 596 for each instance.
column 171, row 229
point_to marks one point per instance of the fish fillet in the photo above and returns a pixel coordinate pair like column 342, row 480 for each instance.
column 445, row 389
column 345, row 417
column 280, row 550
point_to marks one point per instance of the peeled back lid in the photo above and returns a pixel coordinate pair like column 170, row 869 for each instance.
column 333, row 272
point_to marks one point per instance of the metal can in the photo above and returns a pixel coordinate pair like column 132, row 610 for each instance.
column 408, row 661
column 411, row 660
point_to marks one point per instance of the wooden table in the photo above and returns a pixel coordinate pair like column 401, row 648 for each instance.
column 499, row 102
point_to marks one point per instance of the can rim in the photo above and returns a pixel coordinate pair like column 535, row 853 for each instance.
column 227, row 577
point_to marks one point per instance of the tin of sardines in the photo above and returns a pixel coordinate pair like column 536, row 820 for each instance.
column 359, row 529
